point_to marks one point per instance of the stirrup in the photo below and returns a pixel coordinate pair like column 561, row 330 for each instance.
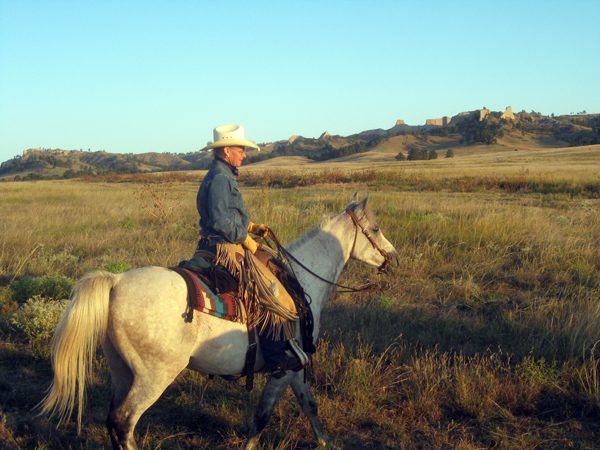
column 297, row 351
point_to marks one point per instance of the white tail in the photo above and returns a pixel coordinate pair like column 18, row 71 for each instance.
column 75, row 339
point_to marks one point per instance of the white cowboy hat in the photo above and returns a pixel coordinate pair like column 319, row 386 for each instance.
column 230, row 136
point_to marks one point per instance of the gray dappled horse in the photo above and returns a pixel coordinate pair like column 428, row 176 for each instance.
column 138, row 316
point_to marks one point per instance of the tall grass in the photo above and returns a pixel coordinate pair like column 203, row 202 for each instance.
column 70, row 228
column 486, row 339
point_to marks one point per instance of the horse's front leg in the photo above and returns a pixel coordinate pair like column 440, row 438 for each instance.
column 271, row 394
column 309, row 406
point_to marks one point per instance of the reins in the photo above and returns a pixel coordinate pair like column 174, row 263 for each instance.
column 347, row 289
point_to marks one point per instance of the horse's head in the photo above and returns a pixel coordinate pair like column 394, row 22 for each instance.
column 370, row 245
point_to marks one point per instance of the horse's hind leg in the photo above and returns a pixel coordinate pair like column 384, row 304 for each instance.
column 132, row 394
column 122, row 380
column 271, row 394
column 309, row 406
column 123, row 418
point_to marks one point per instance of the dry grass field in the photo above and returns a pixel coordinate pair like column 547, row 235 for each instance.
column 487, row 337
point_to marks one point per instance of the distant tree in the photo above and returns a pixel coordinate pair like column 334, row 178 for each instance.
column 416, row 154
column 401, row 157
column 449, row 153
column 432, row 154
column 413, row 154
column 33, row 176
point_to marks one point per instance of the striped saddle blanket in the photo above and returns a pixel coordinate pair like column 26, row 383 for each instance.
column 202, row 298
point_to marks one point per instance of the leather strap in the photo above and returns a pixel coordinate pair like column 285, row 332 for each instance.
column 369, row 288
column 357, row 221
column 250, row 357
column 192, row 294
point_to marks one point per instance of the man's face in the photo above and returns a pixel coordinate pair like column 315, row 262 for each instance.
column 235, row 155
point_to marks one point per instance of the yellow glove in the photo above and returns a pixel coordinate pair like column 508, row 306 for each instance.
column 250, row 244
column 258, row 229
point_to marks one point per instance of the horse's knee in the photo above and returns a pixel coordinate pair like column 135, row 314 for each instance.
column 306, row 400
column 312, row 408
column 308, row 404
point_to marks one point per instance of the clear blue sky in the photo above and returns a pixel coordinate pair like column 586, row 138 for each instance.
column 137, row 76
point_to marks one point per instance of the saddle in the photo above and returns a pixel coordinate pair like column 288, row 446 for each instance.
column 217, row 277
column 221, row 299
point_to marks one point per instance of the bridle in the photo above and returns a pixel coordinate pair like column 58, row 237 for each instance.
column 386, row 257
column 382, row 268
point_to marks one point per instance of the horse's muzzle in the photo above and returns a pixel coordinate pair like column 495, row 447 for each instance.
column 394, row 259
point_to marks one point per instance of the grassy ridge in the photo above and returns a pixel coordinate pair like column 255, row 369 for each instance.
column 486, row 339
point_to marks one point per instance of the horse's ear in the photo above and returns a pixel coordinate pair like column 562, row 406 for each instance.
column 356, row 206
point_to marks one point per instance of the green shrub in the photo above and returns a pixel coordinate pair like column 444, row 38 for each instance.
column 55, row 287
column 38, row 317
column 5, row 294
column 7, row 304
column 127, row 222
column 118, row 267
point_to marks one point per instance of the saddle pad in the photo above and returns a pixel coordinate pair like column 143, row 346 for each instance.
column 204, row 300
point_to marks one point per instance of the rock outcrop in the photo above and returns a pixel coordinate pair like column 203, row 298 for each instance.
column 439, row 122
column 282, row 144
column 508, row 114
column 483, row 113
column 478, row 114
column 324, row 136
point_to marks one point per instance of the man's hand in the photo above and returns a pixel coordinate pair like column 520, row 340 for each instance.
column 258, row 229
column 250, row 244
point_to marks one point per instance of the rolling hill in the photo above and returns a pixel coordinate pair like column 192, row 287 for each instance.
column 474, row 132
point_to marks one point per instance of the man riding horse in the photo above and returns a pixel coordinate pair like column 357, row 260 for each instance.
column 225, row 229
column 139, row 316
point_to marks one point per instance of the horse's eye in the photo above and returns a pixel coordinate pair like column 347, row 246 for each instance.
column 376, row 230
